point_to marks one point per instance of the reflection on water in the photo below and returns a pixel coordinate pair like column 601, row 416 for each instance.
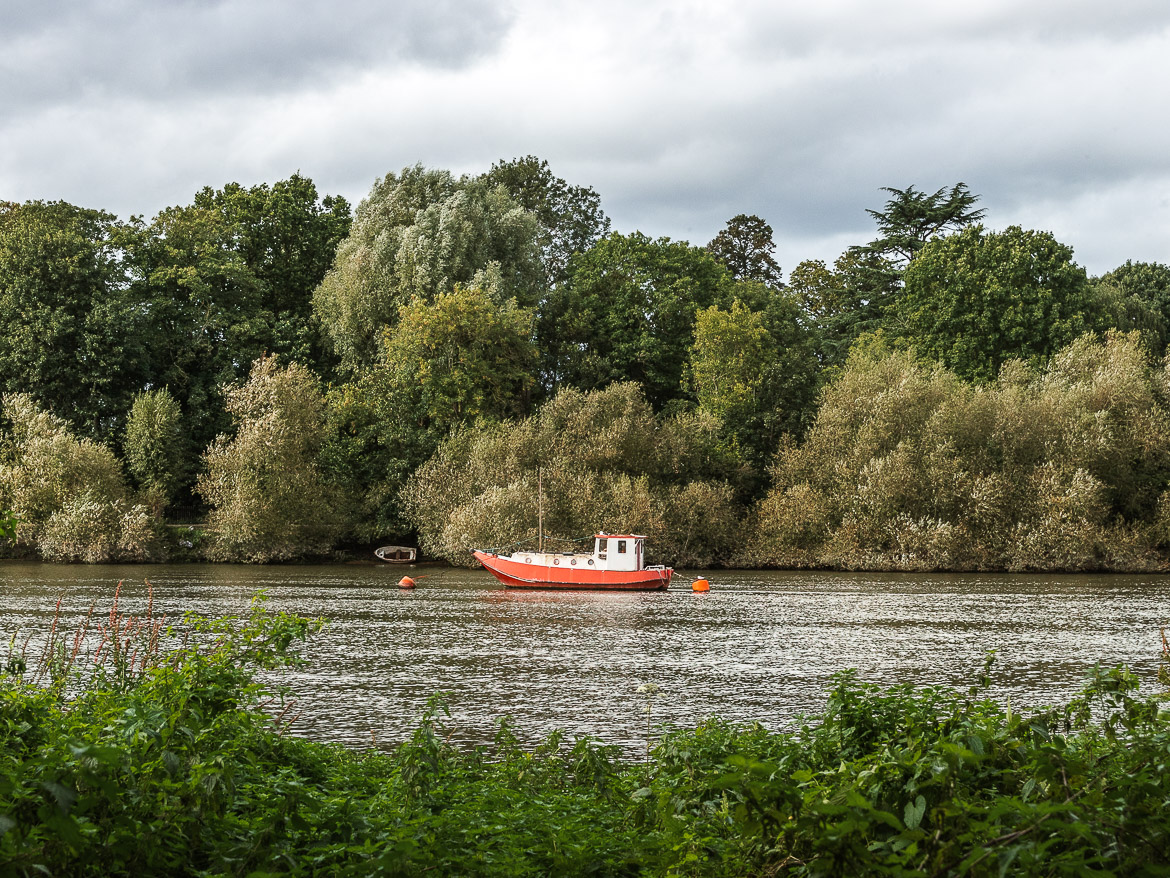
column 759, row 646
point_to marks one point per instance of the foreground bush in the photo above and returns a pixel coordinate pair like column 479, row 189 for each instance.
column 152, row 757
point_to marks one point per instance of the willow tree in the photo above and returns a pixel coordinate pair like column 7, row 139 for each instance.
column 269, row 500
column 415, row 236
column 909, row 467
column 69, row 493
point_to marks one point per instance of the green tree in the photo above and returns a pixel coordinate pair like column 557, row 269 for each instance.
column 69, row 493
column 909, row 467
column 746, row 247
column 627, row 313
column 912, row 218
column 69, row 333
column 756, row 371
column 975, row 300
column 867, row 281
column 155, row 447
column 269, row 499
column 227, row 279
column 570, row 217
column 841, row 303
column 287, row 237
column 1136, row 295
column 204, row 312
column 456, row 361
column 416, row 235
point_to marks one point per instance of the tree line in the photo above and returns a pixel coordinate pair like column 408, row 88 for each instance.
column 298, row 376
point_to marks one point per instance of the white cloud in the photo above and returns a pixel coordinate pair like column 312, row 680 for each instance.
column 680, row 114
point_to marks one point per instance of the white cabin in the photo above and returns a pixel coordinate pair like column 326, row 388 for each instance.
column 622, row 552
column 619, row 551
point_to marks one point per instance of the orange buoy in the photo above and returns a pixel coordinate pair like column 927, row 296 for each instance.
column 700, row 585
column 406, row 582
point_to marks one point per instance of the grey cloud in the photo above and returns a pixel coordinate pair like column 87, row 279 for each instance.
column 162, row 51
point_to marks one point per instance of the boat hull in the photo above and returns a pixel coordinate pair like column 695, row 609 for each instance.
column 517, row 574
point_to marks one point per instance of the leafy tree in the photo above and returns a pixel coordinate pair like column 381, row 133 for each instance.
column 416, row 235
column 287, row 237
column 975, row 300
column 570, row 217
column 463, row 358
column 912, row 218
column 909, row 467
column 227, row 279
column 841, row 303
column 69, row 334
column 70, row 494
column 867, row 281
column 155, row 447
column 627, row 314
column 756, row 371
column 204, row 311
column 459, row 360
column 269, row 500
column 1137, row 296
column 746, row 247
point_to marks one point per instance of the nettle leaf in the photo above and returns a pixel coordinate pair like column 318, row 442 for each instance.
column 914, row 812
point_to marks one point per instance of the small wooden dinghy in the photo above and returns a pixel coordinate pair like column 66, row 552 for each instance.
column 396, row 554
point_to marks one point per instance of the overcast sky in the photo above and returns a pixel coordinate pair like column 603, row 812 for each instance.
column 680, row 114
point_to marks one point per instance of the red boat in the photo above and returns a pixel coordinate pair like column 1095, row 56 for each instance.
column 616, row 563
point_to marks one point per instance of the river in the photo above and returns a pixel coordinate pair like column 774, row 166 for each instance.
column 760, row 646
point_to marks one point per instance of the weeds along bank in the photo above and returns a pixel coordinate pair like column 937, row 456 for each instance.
column 130, row 748
column 905, row 467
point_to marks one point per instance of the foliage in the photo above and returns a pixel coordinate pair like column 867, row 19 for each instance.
column 8, row 524
column 225, row 280
column 977, row 299
column 604, row 461
column 845, row 302
column 417, row 235
column 70, row 494
column 457, row 361
column 151, row 754
column 746, row 247
column 907, row 467
column 756, row 371
column 269, row 499
column 1137, row 296
column 910, row 219
column 920, row 782
column 69, row 334
column 627, row 313
column 155, row 446
column 570, row 217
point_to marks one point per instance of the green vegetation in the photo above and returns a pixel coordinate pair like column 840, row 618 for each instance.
column 130, row 747
column 928, row 400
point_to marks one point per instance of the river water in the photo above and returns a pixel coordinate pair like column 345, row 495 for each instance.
column 760, row 646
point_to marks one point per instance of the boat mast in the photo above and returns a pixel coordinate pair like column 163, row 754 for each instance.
column 539, row 512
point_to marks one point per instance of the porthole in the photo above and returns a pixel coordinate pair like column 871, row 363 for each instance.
column 574, row 562
column 590, row 562
column 556, row 561
column 527, row 559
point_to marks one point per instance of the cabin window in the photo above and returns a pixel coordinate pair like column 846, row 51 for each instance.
column 621, row 547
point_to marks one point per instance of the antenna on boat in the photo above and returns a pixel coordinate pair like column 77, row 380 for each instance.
column 539, row 511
